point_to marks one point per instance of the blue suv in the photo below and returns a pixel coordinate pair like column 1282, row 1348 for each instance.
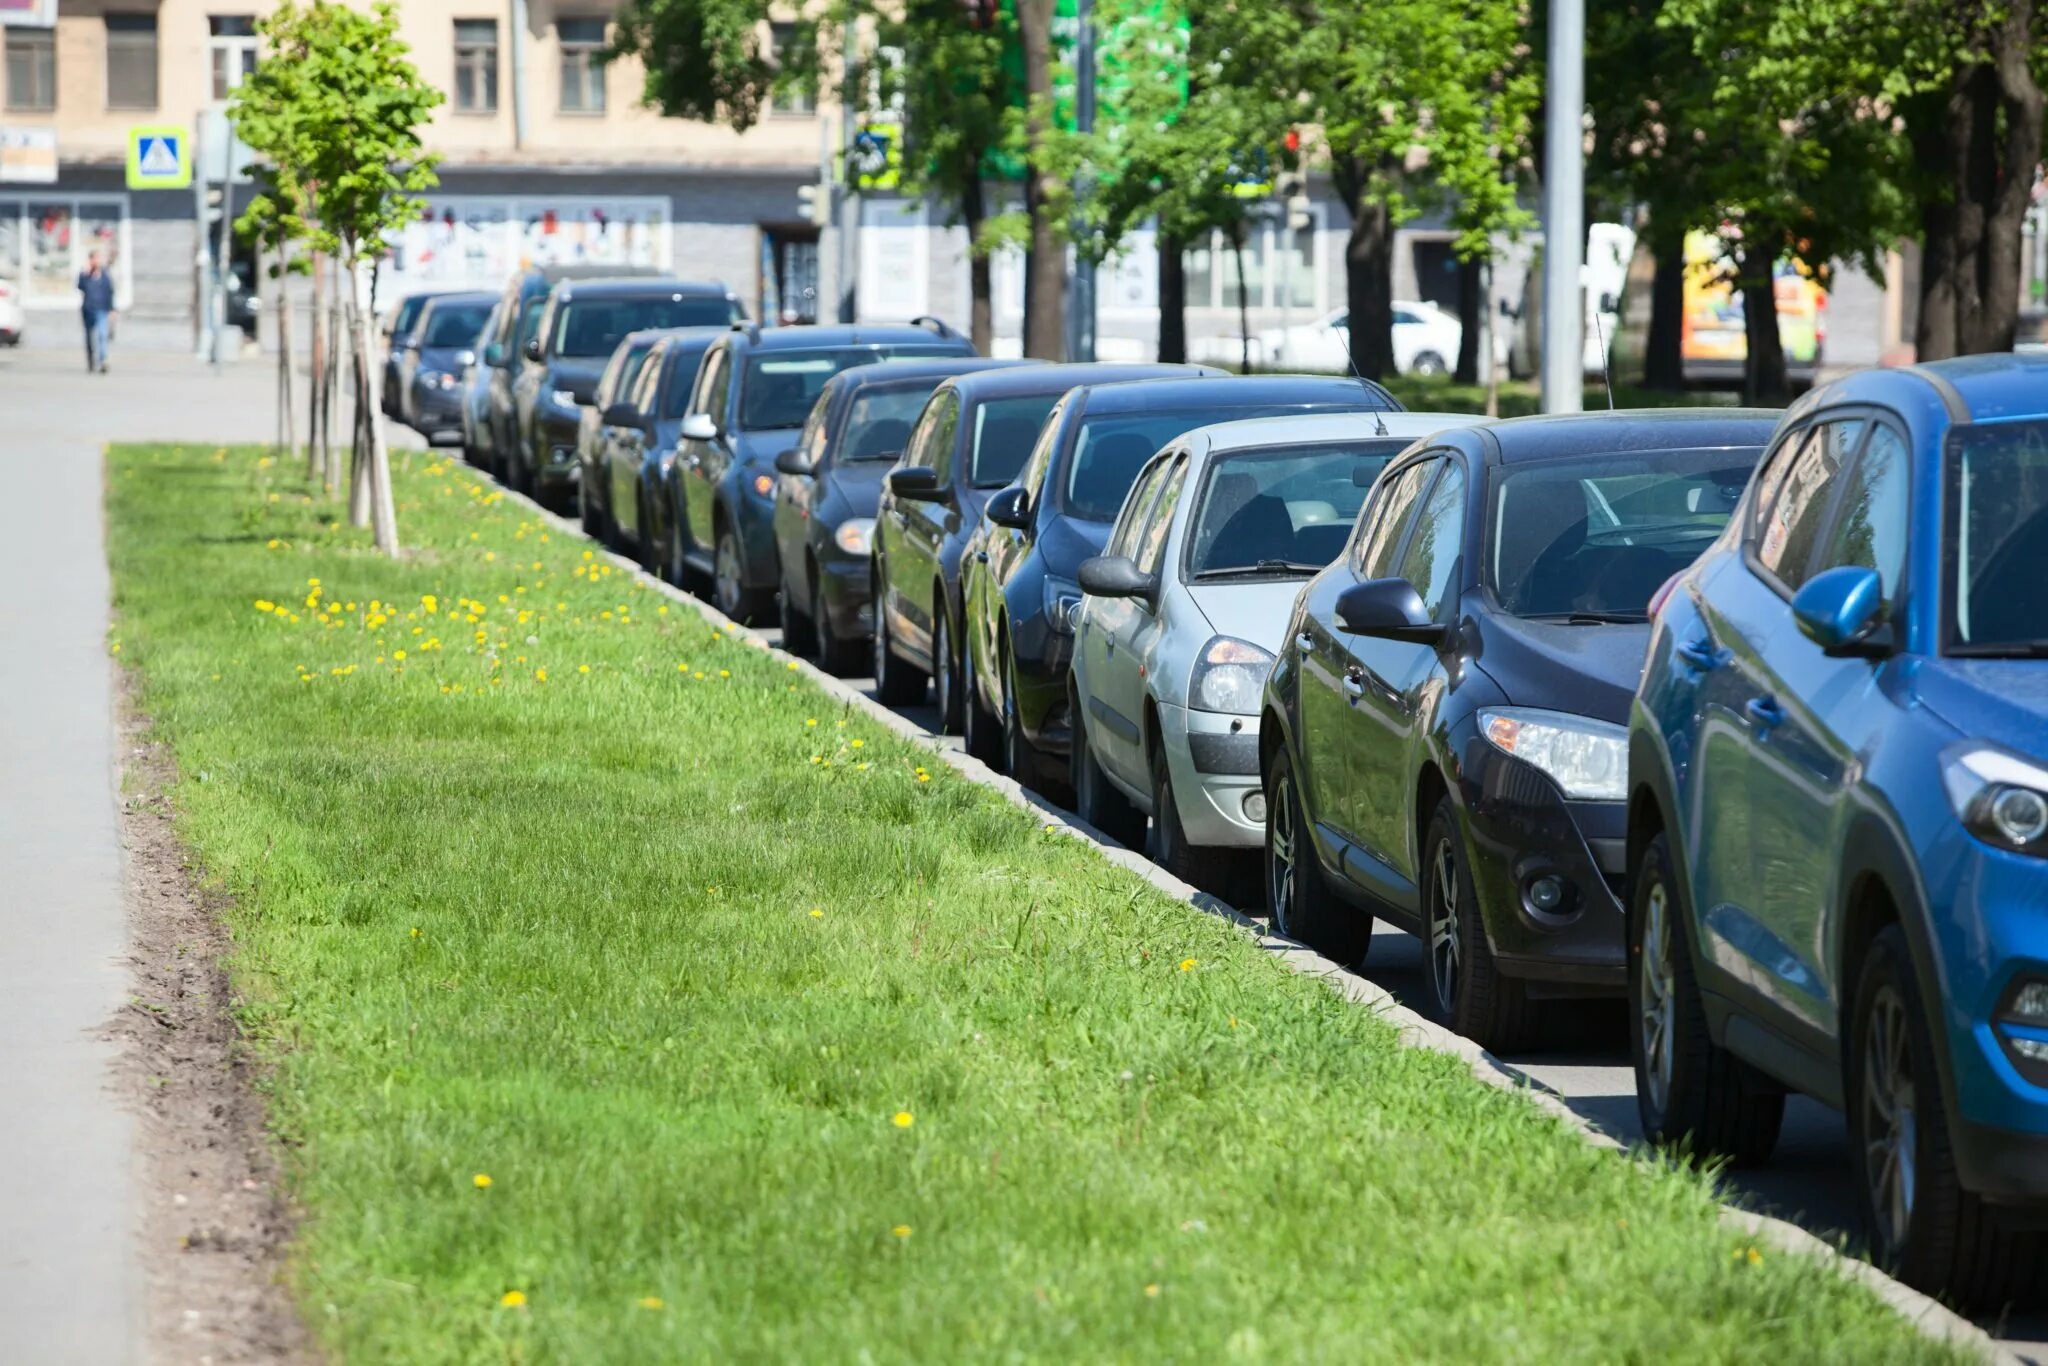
column 1838, row 822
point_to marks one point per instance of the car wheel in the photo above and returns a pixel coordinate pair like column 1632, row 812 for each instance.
column 1097, row 800
column 1021, row 758
column 593, row 524
column 1428, row 363
column 1922, row 1224
column 897, row 683
column 837, row 655
column 798, row 635
column 729, row 592
column 978, row 728
column 945, row 668
column 1691, row 1092
column 1301, row 904
column 646, row 549
column 1198, row 865
column 1467, row 988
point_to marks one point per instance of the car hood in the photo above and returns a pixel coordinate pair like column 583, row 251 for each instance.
column 2001, row 700
column 578, row 376
column 1066, row 541
column 1257, row 611
column 761, row 448
column 858, row 485
column 1586, row 670
column 449, row 358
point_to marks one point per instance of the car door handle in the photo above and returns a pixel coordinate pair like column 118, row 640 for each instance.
column 1765, row 711
column 1700, row 653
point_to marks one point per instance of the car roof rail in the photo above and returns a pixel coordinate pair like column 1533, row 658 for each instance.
column 937, row 326
column 748, row 328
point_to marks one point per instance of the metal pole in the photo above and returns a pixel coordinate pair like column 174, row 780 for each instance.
column 1081, row 295
column 848, row 219
column 1564, row 226
column 202, row 300
column 519, row 74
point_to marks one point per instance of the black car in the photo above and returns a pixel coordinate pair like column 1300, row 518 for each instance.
column 1019, row 579
column 606, row 421
column 632, row 502
column 826, row 495
column 432, row 360
column 971, row 440
column 580, row 326
column 397, row 333
column 519, row 306
column 1443, row 741
column 754, row 393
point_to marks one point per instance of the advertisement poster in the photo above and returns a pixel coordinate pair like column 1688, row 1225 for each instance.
column 474, row 242
column 1713, row 326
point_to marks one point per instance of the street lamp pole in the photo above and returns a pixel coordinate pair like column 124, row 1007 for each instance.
column 1564, row 212
column 1081, row 300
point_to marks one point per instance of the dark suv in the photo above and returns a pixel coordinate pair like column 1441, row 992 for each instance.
column 580, row 327
column 1019, row 582
column 754, row 393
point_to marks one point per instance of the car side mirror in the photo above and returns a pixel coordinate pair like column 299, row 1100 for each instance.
column 792, row 461
column 620, row 415
column 1011, row 508
column 699, row 427
column 918, row 483
column 1389, row 609
column 533, row 349
column 1839, row 610
column 1117, row 576
column 494, row 355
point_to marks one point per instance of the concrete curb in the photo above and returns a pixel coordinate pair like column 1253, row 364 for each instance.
column 1927, row 1315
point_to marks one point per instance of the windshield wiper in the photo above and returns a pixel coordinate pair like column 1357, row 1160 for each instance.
column 1261, row 567
column 1591, row 618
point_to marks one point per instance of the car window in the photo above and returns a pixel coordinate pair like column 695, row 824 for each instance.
column 1005, row 429
column 408, row 313
column 1130, row 524
column 647, row 387
column 1997, row 530
column 777, row 389
column 945, row 433
column 1403, row 315
column 1152, row 543
column 454, row 325
column 1390, row 517
column 1112, row 448
column 1438, row 543
column 1792, row 523
column 629, row 372
column 684, row 360
column 608, row 382
column 529, row 321
column 879, row 422
column 1282, row 505
column 710, row 395
column 593, row 326
column 1870, row 523
column 810, row 442
column 1040, row 461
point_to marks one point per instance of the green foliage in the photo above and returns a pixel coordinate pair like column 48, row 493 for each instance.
column 962, row 102
column 705, row 59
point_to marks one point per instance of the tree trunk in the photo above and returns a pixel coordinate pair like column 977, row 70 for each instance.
column 2015, row 157
column 1244, row 292
column 1045, row 304
column 1492, row 348
column 981, row 323
column 1173, row 300
column 287, row 431
column 1368, row 277
column 1470, row 284
column 336, row 309
column 1664, row 345
column 376, row 459
column 316, row 370
column 1764, row 380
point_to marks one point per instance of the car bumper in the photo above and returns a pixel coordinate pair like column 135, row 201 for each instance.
column 555, row 440
column 1041, row 656
column 756, row 518
column 846, row 595
column 1212, row 759
column 435, row 410
column 1519, row 831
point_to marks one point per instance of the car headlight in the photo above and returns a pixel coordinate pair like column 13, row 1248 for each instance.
column 855, row 535
column 1061, row 597
column 437, row 379
column 1587, row 758
column 2000, row 797
column 563, row 398
column 763, row 485
column 1230, row 676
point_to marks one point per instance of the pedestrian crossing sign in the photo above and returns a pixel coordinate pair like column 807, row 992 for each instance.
column 159, row 158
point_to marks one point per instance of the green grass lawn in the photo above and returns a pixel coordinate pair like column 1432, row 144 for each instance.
column 773, row 1044
column 1520, row 398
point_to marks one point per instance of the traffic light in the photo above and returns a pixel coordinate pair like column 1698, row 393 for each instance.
column 817, row 202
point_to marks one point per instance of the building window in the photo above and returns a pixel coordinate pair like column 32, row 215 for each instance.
column 131, row 61
column 31, row 68
column 476, row 66
column 582, row 43
column 231, row 46
column 793, row 44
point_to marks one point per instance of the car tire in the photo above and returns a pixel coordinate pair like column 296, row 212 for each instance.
column 592, row 520
column 945, row 667
column 1197, row 865
column 1097, row 800
column 1693, row 1095
column 645, row 550
column 1943, row 1240
column 729, row 592
column 1428, row 363
column 1301, row 904
column 1467, row 989
column 799, row 634
column 978, row 730
column 1022, row 760
column 897, row 682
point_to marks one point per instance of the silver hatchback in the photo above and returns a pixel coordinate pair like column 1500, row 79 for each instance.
column 1183, row 612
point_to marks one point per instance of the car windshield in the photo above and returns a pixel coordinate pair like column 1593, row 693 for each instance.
column 1998, row 537
column 878, row 425
column 1595, row 537
column 682, row 378
column 455, row 324
column 529, row 320
column 629, row 370
column 1282, row 510
column 779, row 387
column 593, row 327
column 1005, row 429
column 1112, row 448
column 408, row 314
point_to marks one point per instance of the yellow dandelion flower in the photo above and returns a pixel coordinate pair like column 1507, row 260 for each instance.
column 1187, row 965
column 650, row 1301
column 856, row 744
column 901, row 1230
column 811, row 721
column 725, row 673
column 265, row 605
column 398, row 654
column 583, row 668
column 903, row 1119
column 817, row 758
column 924, row 777
column 541, row 675
column 1151, row 1292
column 513, row 1299
column 482, row 1181
column 817, row 913
column 490, row 555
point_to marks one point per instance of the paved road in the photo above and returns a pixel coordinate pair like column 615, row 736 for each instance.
column 70, row 1277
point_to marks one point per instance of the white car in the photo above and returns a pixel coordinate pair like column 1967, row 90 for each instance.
column 12, row 321
column 1426, row 340
column 1182, row 614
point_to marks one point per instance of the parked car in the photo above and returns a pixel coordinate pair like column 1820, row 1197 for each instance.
column 525, row 294
column 608, row 420
column 827, row 489
column 13, row 321
column 971, row 440
column 1838, row 818
column 1182, row 615
column 754, row 392
column 580, row 326
column 628, row 493
column 431, row 363
column 1425, row 337
column 474, row 395
column 1019, row 580
column 1442, row 739
column 398, row 330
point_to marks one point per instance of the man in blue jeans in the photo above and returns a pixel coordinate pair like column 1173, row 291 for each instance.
column 96, row 302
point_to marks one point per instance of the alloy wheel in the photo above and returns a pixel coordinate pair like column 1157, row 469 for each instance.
column 727, row 574
column 1890, row 1130
column 1280, row 868
column 1658, row 996
column 1443, row 927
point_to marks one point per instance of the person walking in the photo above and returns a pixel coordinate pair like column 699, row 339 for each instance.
column 96, row 303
